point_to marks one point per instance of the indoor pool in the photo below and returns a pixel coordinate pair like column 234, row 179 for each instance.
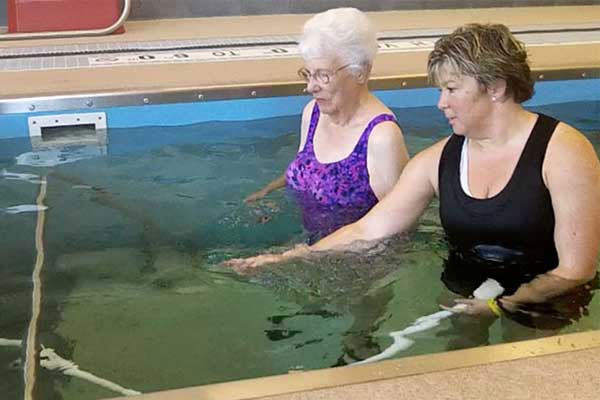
column 130, row 247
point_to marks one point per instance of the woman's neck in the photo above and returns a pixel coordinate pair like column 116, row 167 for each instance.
column 507, row 123
column 351, row 111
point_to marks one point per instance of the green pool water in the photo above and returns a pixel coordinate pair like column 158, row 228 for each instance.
column 133, row 289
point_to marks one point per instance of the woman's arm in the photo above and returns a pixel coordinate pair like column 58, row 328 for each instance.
column 572, row 175
column 395, row 213
column 279, row 182
column 571, row 172
column 275, row 184
column 386, row 157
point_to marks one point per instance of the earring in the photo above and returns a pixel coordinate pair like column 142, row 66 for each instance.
column 494, row 99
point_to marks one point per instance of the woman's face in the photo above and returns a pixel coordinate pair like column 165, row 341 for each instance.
column 330, row 83
column 465, row 103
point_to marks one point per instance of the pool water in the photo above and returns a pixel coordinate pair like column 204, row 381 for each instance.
column 137, row 225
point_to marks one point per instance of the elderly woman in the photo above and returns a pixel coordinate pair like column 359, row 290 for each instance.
column 519, row 192
column 351, row 148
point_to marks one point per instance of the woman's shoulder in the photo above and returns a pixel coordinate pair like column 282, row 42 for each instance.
column 567, row 140
column 387, row 128
column 564, row 131
column 570, row 152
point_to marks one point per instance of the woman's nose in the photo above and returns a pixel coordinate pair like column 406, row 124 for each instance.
column 312, row 86
column 442, row 103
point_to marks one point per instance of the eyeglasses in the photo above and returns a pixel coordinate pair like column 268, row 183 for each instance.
column 322, row 76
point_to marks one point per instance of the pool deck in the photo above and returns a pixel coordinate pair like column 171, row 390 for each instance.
column 559, row 376
column 559, row 367
column 269, row 72
column 567, row 373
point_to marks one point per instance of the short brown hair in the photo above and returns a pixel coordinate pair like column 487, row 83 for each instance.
column 486, row 52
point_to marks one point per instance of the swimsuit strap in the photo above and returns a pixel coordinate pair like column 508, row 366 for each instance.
column 364, row 138
column 312, row 127
column 362, row 141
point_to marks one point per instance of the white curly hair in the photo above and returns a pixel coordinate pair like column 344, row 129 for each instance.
column 343, row 34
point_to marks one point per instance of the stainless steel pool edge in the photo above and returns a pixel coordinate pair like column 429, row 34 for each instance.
column 383, row 370
column 99, row 99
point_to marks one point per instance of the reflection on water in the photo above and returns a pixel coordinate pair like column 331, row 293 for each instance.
column 133, row 288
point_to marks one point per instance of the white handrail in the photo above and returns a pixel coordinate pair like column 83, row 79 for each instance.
column 65, row 34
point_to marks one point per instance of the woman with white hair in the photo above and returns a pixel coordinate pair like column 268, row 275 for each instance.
column 351, row 148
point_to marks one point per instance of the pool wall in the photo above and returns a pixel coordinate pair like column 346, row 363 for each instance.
column 15, row 125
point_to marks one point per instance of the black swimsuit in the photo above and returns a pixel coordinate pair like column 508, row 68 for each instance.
column 508, row 237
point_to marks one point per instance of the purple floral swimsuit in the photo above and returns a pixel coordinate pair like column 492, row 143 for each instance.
column 334, row 194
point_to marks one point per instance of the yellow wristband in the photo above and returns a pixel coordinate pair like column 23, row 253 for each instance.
column 494, row 307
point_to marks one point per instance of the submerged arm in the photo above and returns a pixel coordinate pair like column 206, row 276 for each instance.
column 572, row 175
column 279, row 182
column 275, row 184
column 395, row 213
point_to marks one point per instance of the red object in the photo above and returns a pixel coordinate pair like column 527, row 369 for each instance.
column 61, row 15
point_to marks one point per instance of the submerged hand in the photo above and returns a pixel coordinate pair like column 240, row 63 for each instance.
column 255, row 196
column 470, row 307
column 241, row 264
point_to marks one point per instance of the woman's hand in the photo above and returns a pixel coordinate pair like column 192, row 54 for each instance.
column 256, row 195
column 242, row 264
column 279, row 182
column 475, row 307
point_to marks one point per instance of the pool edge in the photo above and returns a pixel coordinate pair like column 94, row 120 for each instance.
column 384, row 370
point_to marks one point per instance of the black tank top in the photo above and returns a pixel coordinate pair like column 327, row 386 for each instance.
column 508, row 237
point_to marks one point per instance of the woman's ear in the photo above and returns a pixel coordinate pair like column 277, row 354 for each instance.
column 363, row 73
column 497, row 90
